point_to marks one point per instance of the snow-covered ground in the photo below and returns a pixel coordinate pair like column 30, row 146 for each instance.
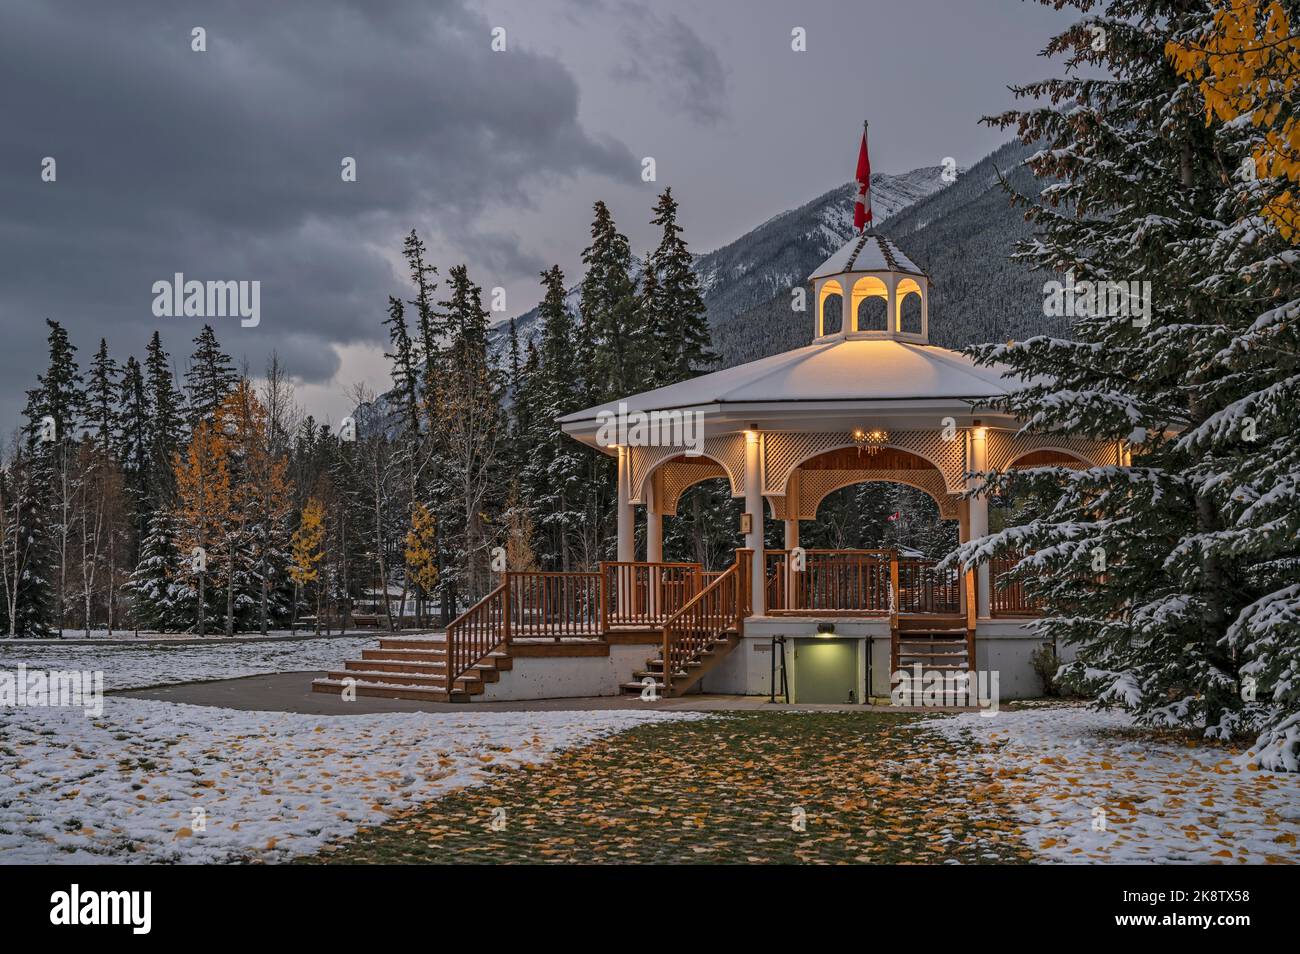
column 144, row 635
column 135, row 784
column 127, row 666
column 1071, row 771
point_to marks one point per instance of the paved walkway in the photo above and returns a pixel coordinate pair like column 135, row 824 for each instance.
column 291, row 692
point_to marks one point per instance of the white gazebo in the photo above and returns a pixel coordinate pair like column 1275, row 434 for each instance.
column 870, row 399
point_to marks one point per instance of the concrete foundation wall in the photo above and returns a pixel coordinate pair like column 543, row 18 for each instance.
column 1003, row 647
column 568, row 677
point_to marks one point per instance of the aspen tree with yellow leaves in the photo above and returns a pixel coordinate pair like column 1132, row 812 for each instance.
column 203, row 506
column 307, row 554
column 422, row 556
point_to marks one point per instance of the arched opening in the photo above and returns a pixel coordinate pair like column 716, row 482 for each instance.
column 910, row 307
column 873, row 315
column 701, row 517
column 1047, row 457
column 833, row 315
column 870, row 304
column 706, row 527
column 1007, row 509
column 909, row 314
column 830, row 309
column 855, row 492
column 878, row 514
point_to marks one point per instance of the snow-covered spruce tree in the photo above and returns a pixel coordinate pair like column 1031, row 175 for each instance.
column 166, row 423
column 557, row 474
column 209, row 378
column 609, row 309
column 55, row 412
column 1245, row 59
column 26, row 545
column 681, row 328
column 131, row 449
column 471, row 420
column 160, row 599
column 1146, row 569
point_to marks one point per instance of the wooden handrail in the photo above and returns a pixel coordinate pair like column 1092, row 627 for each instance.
column 478, row 631
column 704, row 618
column 720, row 606
column 1008, row 598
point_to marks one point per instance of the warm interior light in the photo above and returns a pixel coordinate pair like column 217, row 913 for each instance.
column 872, row 440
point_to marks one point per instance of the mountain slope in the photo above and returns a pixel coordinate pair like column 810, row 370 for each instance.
column 962, row 235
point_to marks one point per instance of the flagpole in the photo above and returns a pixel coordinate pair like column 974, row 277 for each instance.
column 866, row 225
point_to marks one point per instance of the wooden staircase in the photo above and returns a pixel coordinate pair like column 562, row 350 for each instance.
column 938, row 642
column 699, row 635
column 943, row 644
column 414, row 667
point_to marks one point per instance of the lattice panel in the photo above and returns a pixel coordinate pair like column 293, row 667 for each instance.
column 644, row 460
column 816, row 485
column 1003, row 447
column 673, row 479
column 785, row 452
column 727, row 450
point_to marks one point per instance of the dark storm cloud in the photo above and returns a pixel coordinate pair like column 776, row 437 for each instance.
column 666, row 54
column 225, row 164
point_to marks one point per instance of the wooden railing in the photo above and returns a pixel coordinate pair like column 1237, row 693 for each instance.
column 554, row 605
column 776, row 589
column 646, row 594
column 719, row 607
column 1007, row 597
column 861, row 581
column 478, row 631
column 924, row 589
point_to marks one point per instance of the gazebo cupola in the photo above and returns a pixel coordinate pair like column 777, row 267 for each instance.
column 870, row 289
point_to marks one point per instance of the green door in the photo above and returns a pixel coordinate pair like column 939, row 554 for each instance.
column 826, row 670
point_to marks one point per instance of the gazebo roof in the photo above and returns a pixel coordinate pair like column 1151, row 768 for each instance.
column 855, row 369
column 868, row 252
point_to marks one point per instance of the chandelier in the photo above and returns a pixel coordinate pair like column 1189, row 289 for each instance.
column 870, row 441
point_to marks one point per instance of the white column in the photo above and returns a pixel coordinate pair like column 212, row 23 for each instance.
column 754, row 507
column 979, row 516
column 893, row 322
column 654, row 526
column 791, row 541
column 925, row 308
column 626, row 551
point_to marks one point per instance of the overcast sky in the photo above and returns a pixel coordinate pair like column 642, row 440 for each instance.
column 225, row 164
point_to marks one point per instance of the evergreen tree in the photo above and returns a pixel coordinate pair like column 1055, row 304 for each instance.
column 165, row 423
column 26, row 552
column 1245, row 61
column 679, row 325
column 469, row 415
column 54, row 412
column 1153, row 570
column 559, row 471
column 209, row 378
column 406, row 377
column 101, row 398
column 160, row 599
column 609, row 309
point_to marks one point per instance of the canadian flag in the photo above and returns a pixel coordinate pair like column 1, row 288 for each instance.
column 862, row 204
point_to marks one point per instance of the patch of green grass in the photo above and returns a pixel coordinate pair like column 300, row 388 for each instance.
column 744, row 787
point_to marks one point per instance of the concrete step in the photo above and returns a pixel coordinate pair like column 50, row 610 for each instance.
column 386, row 691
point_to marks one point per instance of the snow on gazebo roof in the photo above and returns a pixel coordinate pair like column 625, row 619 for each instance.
column 868, row 252
column 853, row 369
